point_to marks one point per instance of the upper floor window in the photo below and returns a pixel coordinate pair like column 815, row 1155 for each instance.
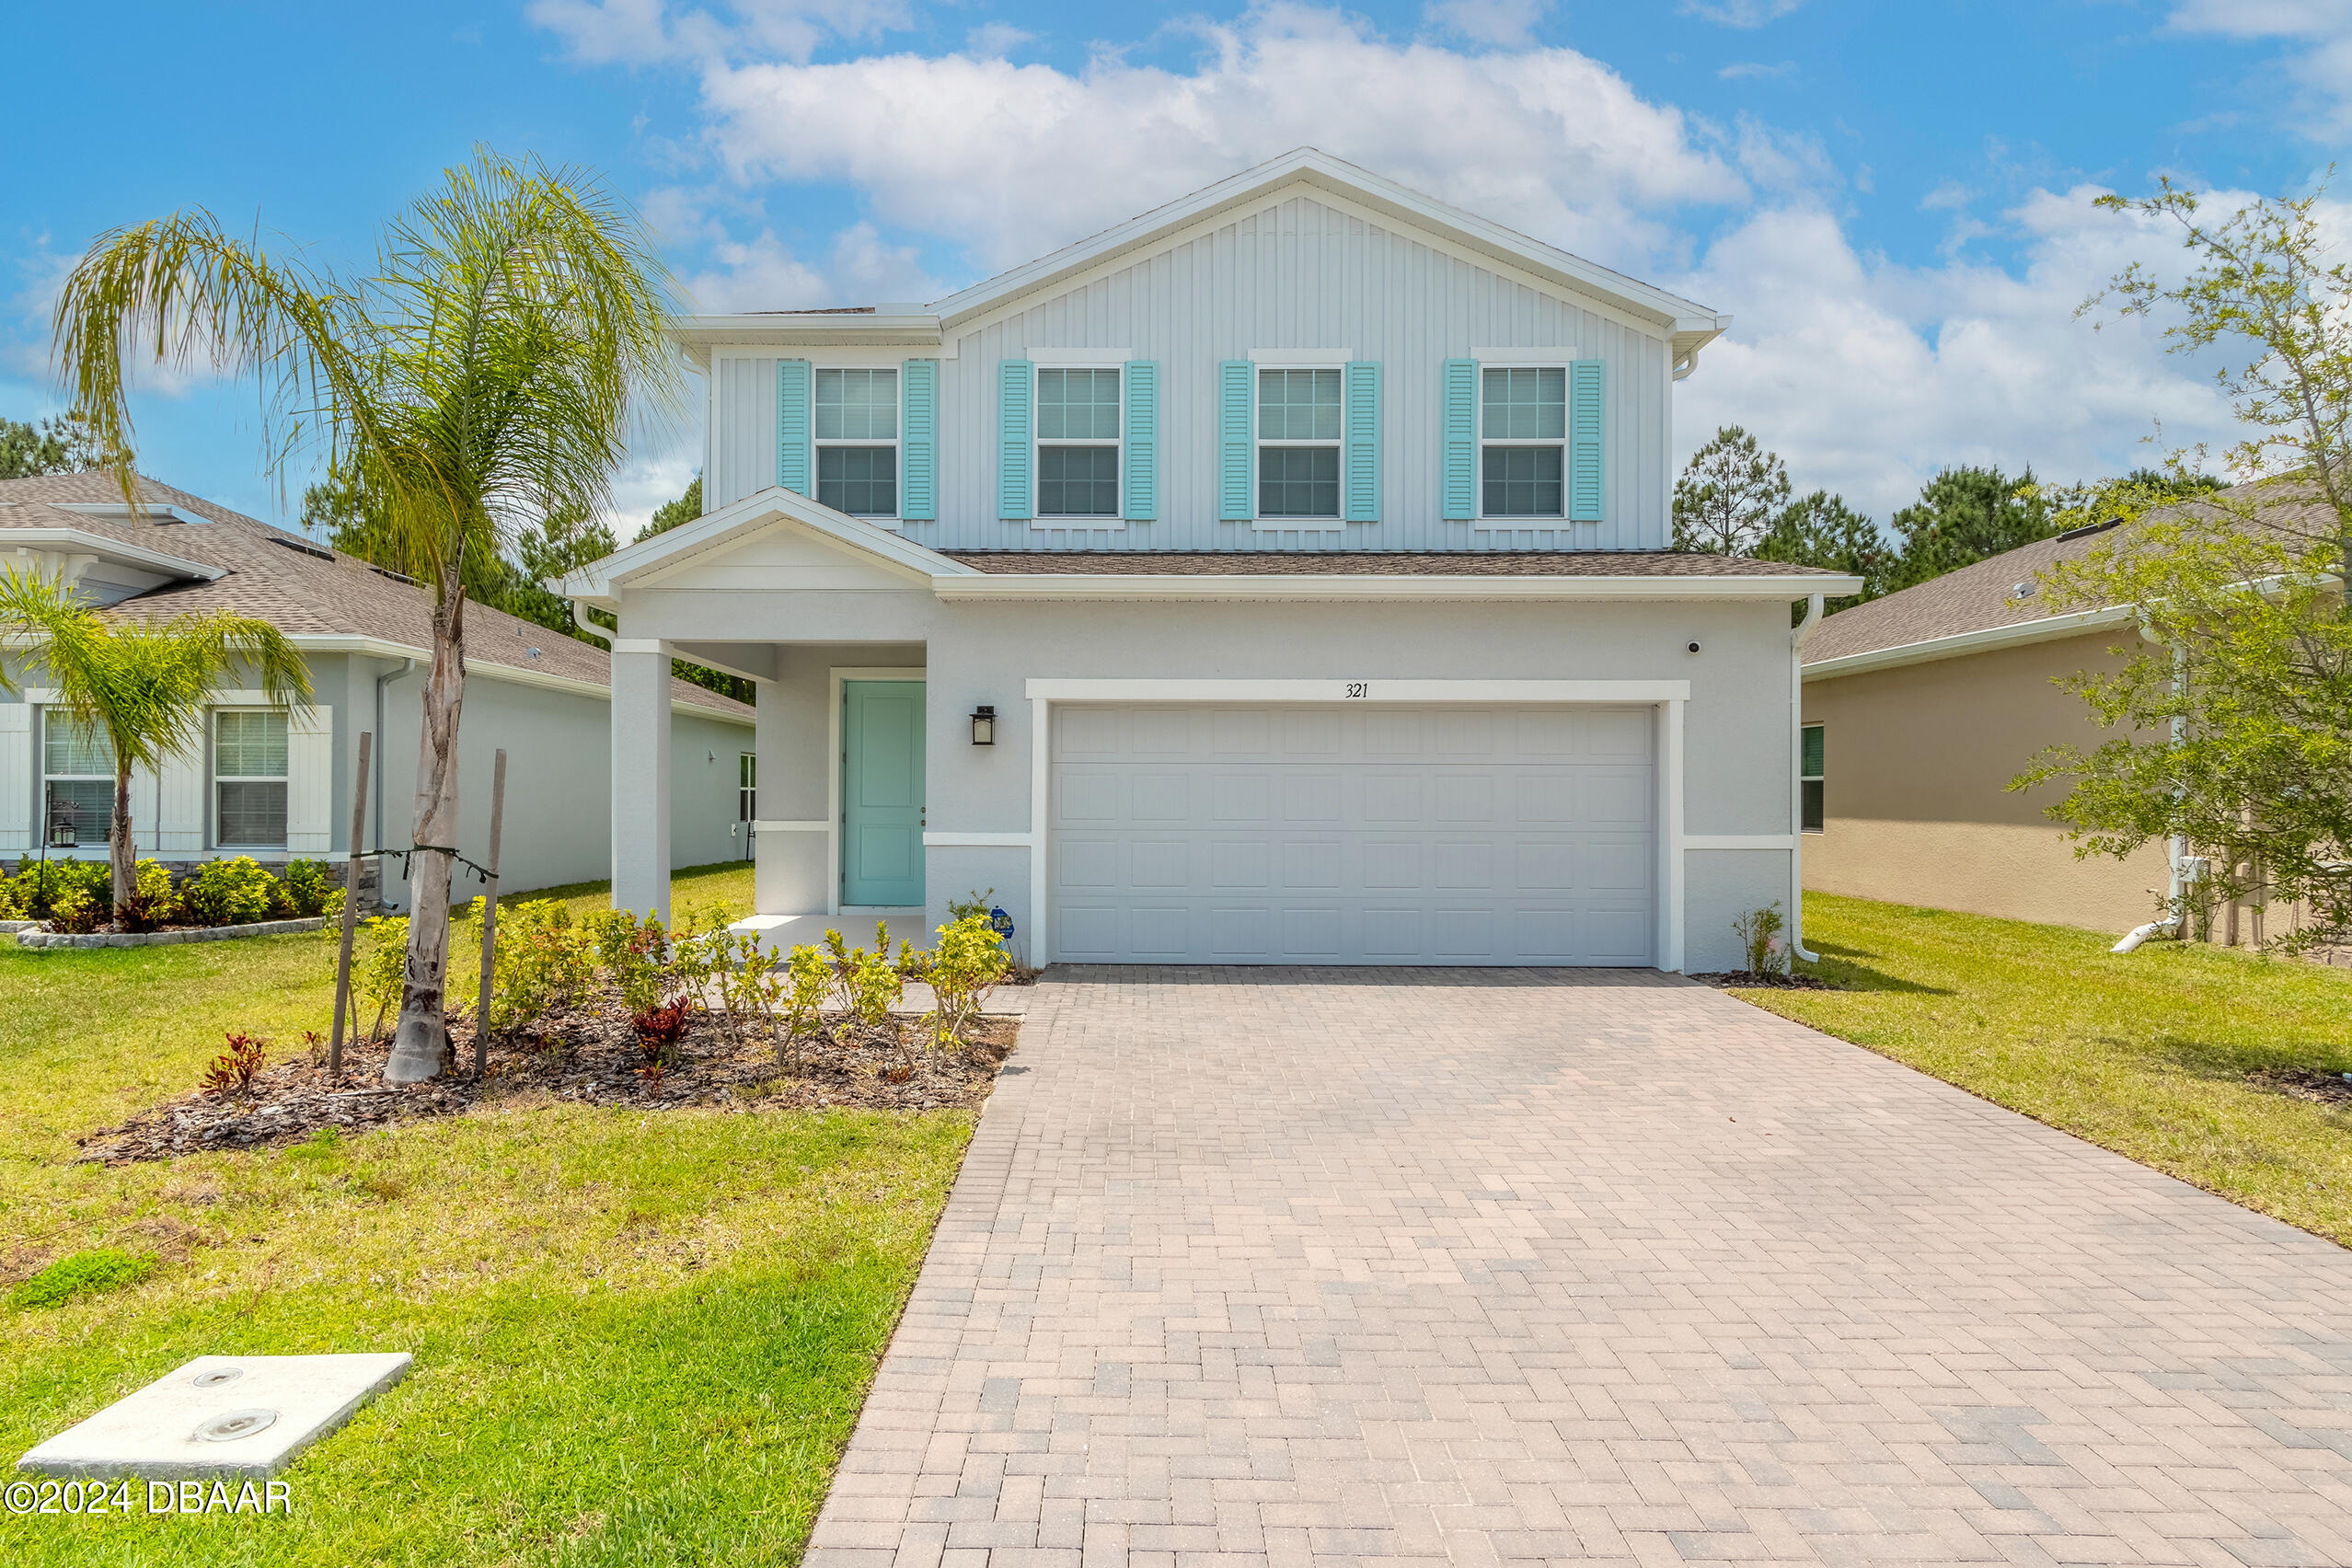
column 1523, row 437
column 1299, row 443
column 856, row 441
column 77, row 779
column 248, row 779
column 1077, row 443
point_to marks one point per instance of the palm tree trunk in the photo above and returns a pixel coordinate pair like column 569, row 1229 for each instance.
column 420, row 1038
column 117, row 842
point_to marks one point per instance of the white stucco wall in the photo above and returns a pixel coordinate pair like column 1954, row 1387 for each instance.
column 1736, row 727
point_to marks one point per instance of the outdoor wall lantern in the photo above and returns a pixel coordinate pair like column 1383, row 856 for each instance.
column 984, row 726
column 63, row 833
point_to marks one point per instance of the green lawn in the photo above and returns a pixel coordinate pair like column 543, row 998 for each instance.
column 2151, row 1054
column 639, row 1338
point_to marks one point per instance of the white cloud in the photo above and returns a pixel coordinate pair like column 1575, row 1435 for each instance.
column 1753, row 70
column 1014, row 160
column 639, row 32
column 1743, row 14
column 993, row 41
column 2320, row 63
column 762, row 274
column 1499, row 22
column 1868, row 375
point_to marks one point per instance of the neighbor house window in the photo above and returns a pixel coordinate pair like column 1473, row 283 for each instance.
column 856, row 441
column 747, row 787
column 1522, row 436
column 1077, row 443
column 1809, row 778
column 248, row 779
column 1299, row 443
column 77, row 776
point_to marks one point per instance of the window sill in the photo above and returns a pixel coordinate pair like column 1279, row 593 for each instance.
column 1300, row 524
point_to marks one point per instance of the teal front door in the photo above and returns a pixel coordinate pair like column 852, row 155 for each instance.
column 881, row 793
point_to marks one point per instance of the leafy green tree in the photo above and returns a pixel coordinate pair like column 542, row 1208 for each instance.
column 670, row 514
column 1821, row 530
column 62, row 445
column 2231, row 712
column 1963, row 515
column 145, row 685
column 483, row 373
column 1729, row 494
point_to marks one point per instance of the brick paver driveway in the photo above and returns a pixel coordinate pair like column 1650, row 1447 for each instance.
column 1286, row 1267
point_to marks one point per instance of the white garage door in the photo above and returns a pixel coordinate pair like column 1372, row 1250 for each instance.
column 1364, row 834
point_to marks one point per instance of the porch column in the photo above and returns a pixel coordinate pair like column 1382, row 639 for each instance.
column 640, row 736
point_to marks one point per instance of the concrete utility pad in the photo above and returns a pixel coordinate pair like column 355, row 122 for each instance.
column 234, row 1416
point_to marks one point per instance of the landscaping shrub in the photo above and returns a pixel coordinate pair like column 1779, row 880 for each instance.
column 232, row 893
column 865, row 984
column 83, row 1274
column 308, row 887
column 544, row 963
column 86, row 886
column 232, row 1070
column 658, row 1030
column 635, row 956
column 1759, row 937
column 962, row 971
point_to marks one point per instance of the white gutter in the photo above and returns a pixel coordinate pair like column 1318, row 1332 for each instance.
column 1353, row 587
column 1797, row 638
column 405, row 667
column 83, row 542
column 2049, row 628
column 580, row 619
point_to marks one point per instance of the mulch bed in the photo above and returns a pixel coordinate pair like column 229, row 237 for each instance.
column 588, row 1055
column 1743, row 980
column 2305, row 1083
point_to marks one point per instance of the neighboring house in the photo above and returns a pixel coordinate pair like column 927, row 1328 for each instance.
column 276, row 787
column 1277, row 578
column 1919, row 709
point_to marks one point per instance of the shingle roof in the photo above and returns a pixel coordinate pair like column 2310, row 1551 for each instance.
column 296, row 591
column 1378, row 563
column 2000, row 591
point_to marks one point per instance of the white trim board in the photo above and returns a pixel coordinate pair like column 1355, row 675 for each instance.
column 1301, row 359
column 1086, row 688
column 2050, row 628
column 1301, row 586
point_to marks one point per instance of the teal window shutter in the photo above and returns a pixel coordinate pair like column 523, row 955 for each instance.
column 918, row 483
column 1234, row 426
column 1016, row 385
column 1143, row 441
column 1360, row 457
column 1458, row 429
column 792, row 425
column 1587, row 402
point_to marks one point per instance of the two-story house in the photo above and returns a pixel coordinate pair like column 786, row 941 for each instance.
column 1280, row 577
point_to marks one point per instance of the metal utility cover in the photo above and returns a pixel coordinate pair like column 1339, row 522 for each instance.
column 231, row 1416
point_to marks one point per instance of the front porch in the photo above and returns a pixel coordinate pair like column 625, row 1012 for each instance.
column 853, row 743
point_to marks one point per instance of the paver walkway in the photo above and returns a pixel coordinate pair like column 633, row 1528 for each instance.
column 1292, row 1268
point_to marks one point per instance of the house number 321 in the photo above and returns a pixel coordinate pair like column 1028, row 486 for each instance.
column 1359, row 688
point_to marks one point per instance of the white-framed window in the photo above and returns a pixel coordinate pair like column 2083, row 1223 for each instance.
column 1523, row 440
column 248, row 779
column 1809, row 775
column 855, row 428
column 1299, row 426
column 747, row 787
column 1078, row 441
column 76, row 778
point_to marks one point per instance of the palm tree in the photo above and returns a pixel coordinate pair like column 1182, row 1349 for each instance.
column 143, row 684
column 483, row 375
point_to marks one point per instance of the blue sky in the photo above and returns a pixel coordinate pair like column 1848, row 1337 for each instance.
column 1892, row 200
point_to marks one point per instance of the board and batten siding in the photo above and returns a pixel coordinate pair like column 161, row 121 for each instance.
column 1299, row 275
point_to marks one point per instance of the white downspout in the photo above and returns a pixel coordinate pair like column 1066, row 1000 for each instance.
column 602, row 634
column 1804, row 630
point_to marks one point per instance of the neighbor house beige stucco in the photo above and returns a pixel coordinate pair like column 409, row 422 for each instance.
column 1916, row 804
